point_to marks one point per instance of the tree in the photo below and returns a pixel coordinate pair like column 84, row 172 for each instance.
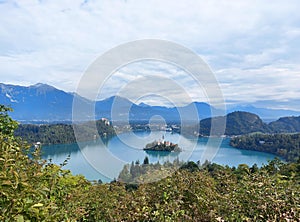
column 146, row 160
column 7, row 124
column 30, row 188
column 190, row 166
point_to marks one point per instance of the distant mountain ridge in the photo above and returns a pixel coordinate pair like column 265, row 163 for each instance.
column 42, row 102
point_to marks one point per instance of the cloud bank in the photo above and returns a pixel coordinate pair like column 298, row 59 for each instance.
column 253, row 47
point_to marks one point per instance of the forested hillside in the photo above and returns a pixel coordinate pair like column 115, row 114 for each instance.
column 284, row 145
column 63, row 133
column 286, row 125
column 239, row 123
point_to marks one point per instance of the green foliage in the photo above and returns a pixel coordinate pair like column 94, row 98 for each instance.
column 7, row 125
column 147, row 172
column 213, row 193
column 190, row 166
column 30, row 188
column 47, row 134
column 63, row 133
column 258, row 196
column 284, row 145
column 33, row 190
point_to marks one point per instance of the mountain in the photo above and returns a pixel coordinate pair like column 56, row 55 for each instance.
column 244, row 122
column 144, row 112
column 266, row 114
column 113, row 107
column 42, row 102
column 45, row 103
column 237, row 123
column 37, row 102
column 240, row 122
column 204, row 110
column 286, row 125
column 144, row 105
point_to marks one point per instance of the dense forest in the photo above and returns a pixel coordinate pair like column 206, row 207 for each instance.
column 32, row 189
column 63, row 133
column 239, row 123
column 284, row 145
column 286, row 125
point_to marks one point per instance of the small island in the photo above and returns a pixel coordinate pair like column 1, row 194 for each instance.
column 162, row 145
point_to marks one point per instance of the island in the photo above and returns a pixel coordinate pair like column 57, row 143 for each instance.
column 162, row 145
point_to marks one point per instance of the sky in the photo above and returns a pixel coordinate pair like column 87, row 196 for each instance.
column 252, row 46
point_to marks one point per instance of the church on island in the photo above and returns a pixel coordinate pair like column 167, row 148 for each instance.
column 162, row 145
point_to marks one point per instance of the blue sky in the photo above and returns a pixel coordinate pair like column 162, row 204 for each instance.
column 253, row 47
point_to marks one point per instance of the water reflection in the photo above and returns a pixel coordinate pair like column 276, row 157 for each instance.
column 159, row 154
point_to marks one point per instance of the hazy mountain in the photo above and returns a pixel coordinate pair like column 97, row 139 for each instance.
column 146, row 112
column 42, row 102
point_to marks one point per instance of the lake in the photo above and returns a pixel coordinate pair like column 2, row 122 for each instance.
column 96, row 160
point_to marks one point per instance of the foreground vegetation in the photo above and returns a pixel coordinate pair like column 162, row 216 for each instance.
column 286, row 146
column 36, row 190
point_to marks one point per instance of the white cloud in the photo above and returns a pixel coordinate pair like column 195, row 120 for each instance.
column 253, row 46
column 277, row 83
column 164, row 79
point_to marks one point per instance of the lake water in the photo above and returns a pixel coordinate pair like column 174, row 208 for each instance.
column 96, row 160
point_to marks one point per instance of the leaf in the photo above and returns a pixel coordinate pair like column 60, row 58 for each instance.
column 19, row 218
column 7, row 183
column 25, row 184
column 38, row 205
